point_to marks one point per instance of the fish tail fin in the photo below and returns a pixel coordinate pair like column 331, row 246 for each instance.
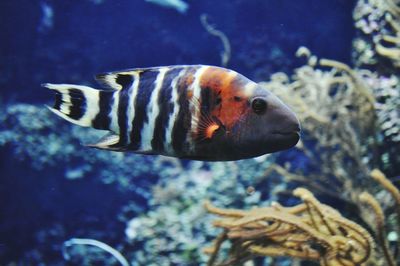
column 82, row 105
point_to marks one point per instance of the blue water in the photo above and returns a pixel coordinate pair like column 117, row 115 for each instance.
column 84, row 39
column 71, row 41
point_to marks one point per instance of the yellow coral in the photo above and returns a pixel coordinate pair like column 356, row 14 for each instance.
column 309, row 231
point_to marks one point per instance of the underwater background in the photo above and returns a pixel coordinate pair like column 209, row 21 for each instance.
column 335, row 63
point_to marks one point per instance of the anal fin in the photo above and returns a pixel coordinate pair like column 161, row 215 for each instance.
column 108, row 142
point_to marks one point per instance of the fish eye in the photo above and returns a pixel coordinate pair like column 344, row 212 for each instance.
column 259, row 105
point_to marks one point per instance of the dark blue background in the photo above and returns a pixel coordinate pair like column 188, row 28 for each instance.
column 87, row 39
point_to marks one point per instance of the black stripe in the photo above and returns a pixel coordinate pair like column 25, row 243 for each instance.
column 166, row 108
column 124, row 80
column 205, row 98
column 103, row 118
column 183, row 120
column 123, row 107
column 146, row 86
column 78, row 104
column 57, row 100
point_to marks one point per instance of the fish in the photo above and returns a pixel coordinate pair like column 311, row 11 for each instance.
column 196, row 112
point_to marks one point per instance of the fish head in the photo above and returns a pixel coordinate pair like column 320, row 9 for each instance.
column 267, row 125
column 241, row 119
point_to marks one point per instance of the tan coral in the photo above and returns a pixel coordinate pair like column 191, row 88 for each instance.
column 337, row 112
column 308, row 231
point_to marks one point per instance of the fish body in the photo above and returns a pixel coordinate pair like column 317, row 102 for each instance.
column 190, row 111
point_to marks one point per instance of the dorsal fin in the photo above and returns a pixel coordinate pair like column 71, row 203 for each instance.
column 118, row 80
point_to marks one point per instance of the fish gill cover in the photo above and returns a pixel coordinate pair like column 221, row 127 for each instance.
column 335, row 63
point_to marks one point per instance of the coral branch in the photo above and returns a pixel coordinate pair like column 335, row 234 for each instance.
column 226, row 53
column 380, row 226
column 92, row 242
column 378, row 176
column 309, row 231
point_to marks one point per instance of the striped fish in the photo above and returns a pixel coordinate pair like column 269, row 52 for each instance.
column 190, row 111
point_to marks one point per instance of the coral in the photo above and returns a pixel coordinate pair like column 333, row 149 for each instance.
column 386, row 91
column 378, row 221
column 177, row 217
column 378, row 23
column 347, row 132
column 369, row 200
column 346, row 128
column 308, row 231
column 92, row 242
column 226, row 53
column 337, row 112
column 36, row 136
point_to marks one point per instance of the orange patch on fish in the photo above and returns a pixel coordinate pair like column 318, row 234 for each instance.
column 210, row 130
column 233, row 102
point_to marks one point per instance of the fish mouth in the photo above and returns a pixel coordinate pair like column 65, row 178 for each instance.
column 289, row 137
column 287, row 133
column 295, row 132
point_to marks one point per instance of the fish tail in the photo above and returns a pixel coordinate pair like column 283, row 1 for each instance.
column 82, row 105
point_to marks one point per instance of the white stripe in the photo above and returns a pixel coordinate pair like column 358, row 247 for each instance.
column 65, row 98
column 91, row 100
column 172, row 117
column 133, row 91
column 66, row 103
column 92, row 105
column 152, row 111
column 193, row 108
column 114, row 113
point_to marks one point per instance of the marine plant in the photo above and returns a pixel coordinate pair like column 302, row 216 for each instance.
column 226, row 52
column 307, row 231
column 377, row 45
column 175, row 228
column 378, row 23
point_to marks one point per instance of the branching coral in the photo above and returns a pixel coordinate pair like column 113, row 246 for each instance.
column 343, row 136
column 226, row 53
column 378, row 220
column 95, row 243
column 337, row 111
column 177, row 226
column 378, row 45
column 308, row 231
column 379, row 25
column 348, row 117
